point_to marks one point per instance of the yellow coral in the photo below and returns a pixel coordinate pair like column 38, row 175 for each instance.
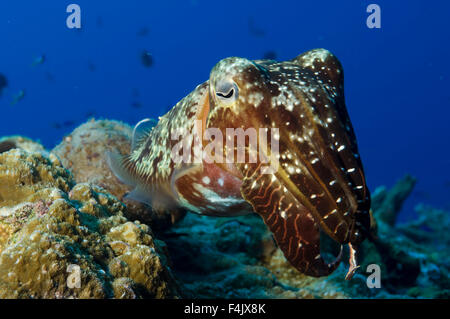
column 47, row 227
column 29, row 177
column 5, row 233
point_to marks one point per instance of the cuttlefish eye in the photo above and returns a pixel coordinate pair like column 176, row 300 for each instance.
column 227, row 91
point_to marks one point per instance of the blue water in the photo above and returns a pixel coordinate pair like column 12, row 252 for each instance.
column 396, row 77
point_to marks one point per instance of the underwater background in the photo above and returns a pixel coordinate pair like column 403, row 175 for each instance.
column 396, row 77
column 136, row 59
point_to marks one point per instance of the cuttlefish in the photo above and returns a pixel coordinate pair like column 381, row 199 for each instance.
column 318, row 186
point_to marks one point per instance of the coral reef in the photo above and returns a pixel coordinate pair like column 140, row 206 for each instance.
column 64, row 209
column 48, row 229
column 388, row 204
column 28, row 177
column 16, row 141
column 235, row 257
column 83, row 152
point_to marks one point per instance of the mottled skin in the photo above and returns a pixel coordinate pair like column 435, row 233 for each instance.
column 319, row 184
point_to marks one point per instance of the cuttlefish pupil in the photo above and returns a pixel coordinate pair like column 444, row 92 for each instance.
column 318, row 188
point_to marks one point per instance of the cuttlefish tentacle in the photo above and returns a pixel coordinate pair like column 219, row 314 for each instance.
column 294, row 228
column 353, row 261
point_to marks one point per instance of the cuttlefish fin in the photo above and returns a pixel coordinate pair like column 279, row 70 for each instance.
column 293, row 227
column 118, row 165
column 121, row 167
column 139, row 194
column 152, row 194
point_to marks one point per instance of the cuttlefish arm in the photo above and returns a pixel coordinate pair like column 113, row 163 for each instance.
column 294, row 229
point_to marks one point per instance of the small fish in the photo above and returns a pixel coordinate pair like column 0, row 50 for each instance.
column 99, row 22
column 5, row 146
column 135, row 92
column 39, row 60
column 49, row 77
column 136, row 105
column 142, row 32
column 18, row 97
column 146, row 59
column 3, row 83
column 254, row 30
column 68, row 123
column 91, row 66
column 319, row 187
column 90, row 114
column 56, row 125
column 270, row 55
column 60, row 125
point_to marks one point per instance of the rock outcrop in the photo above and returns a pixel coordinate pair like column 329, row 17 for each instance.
column 53, row 231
